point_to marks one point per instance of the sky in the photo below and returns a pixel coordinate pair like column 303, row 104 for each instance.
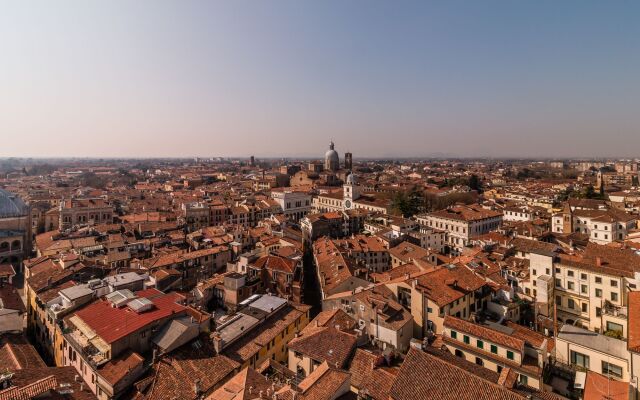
column 280, row 78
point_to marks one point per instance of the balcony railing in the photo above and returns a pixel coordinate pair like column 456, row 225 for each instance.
column 615, row 311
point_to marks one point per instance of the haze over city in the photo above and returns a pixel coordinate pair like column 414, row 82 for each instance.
column 279, row 79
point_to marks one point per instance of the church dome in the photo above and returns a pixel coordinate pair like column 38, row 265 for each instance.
column 331, row 159
column 331, row 155
column 11, row 205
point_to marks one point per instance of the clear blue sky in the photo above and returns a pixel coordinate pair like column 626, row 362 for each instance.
column 281, row 78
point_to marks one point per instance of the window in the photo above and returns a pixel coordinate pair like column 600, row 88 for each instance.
column 612, row 326
column 598, row 292
column 479, row 361
column 614, row 296
column 523, row 380
column 494, row 349
column 559, row 300
column 583, row 289
column 558, row 282
column 459, row 353
column 499, row 368
column 611, row 369
column 454, row 335
column 598, row 279
column 480, row 344
column 557, row 270
column 466, row 339
column 570, row 273
column 570, row 285
column 583, row 277
column 584, row 307
column 598, row 312
column 614, row 283
column 571, row 304
column 579, row 359
column 510, row 354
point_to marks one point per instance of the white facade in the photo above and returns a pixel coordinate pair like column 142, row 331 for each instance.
column 295, row 205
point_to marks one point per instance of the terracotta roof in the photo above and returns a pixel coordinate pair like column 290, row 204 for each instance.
column 112, row 324
column 466, row 213
column 424, row 377
column 447, row 284
column 17, row 353
column 325, row 344
column 118, row 368
column 276, row 263
column 599, row 387
column 175, row 376
column 484, row 332
column 245, row 385
column 324, row 383
column 10, row 298
column 368, row 375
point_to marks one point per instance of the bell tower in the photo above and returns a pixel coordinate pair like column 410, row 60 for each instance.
column 351, row 191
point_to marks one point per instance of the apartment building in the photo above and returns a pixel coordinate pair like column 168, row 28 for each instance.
column 260, row 330
column 378, row 314
column 196, row 215
column 462, row 222
column 369, row 252
column 495, row 347
column 591, row 290
column 518, row 214
column 586, row 350
column 329, row 337
column 601, row 226
column 84, row 211
column 294, row 204
column 279, row 275
column 112, row 328
column 432, row 295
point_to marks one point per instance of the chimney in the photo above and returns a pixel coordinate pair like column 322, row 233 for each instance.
column 196, row 387
column 598, row 262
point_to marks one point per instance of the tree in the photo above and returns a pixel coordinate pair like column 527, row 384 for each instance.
column 590, row 193
column 475, row 184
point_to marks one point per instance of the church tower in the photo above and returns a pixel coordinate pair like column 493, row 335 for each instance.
column 351, row 191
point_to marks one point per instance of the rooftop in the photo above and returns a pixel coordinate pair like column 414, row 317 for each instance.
column 11, row 205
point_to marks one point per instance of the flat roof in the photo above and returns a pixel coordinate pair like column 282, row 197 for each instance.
column 593, row 340
column 268, row 303
column 237, row 328
column 76, row 292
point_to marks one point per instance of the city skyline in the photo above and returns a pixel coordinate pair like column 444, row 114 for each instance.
column 415, row 79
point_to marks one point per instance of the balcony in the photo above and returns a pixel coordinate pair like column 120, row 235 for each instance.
column 85, row 348
column 614, row 310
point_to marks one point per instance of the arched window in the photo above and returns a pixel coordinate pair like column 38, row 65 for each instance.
column 15, row 245
column 4, row 247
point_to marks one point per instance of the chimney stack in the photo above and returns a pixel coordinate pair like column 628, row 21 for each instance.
column 196, row 387
column 598, row 262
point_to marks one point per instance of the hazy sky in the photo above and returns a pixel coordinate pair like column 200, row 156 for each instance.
column 281, row 78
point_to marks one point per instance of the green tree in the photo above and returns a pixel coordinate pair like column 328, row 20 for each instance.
column 474, row 183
